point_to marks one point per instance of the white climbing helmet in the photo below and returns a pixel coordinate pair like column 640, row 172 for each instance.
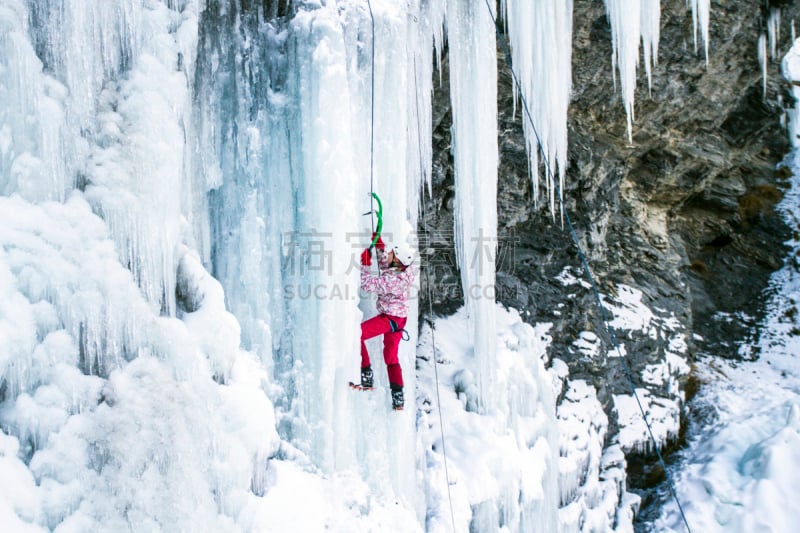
column 404, row 253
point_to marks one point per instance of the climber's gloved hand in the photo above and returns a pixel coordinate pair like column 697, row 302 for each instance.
column 366, row 257
column 379, row 243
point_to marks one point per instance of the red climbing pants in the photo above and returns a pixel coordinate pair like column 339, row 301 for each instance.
column 382, row 325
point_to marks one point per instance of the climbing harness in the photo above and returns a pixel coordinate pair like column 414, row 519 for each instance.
column 585, row 263
column 395, row 327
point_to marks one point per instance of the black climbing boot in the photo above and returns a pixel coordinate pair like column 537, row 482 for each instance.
column 397, row 398
column 366, row 377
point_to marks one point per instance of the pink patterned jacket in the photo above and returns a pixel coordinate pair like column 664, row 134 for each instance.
column 392, row 286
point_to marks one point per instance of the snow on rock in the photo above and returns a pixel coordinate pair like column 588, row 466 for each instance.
column 629, row 315
column 631, row 320
column 591, row 478
column 627, row 310
column 663, row 416
column 588, row 344
column 566, row 277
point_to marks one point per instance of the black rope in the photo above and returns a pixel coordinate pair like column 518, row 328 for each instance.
column 585, row 263
column 430, row 309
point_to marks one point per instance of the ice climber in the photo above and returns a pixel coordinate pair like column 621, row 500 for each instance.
column 392, row 285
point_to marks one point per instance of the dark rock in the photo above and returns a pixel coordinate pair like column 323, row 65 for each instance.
column 685, row 213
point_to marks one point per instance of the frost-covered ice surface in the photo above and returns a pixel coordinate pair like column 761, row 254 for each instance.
column 739, row 473
column 119, row 413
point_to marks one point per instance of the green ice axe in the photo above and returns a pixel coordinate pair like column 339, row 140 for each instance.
column 380, row 220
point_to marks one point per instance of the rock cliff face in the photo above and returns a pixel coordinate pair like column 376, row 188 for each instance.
column 683, row 213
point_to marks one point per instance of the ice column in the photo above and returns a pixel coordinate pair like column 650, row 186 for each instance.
column 325, row 327
column 790, row 68
column 245, row 184
column 344, row 142
column 540, row 32
column 471, row 36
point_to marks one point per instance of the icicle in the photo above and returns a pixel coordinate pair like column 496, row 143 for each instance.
column 426, row 21
column 651, row 34
column 774, row 31
column 541, row 46
column 768, row 44
column 700, row 19
column 472, row 47
column 762, row 61
column 633, row 22
column 625, row 18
